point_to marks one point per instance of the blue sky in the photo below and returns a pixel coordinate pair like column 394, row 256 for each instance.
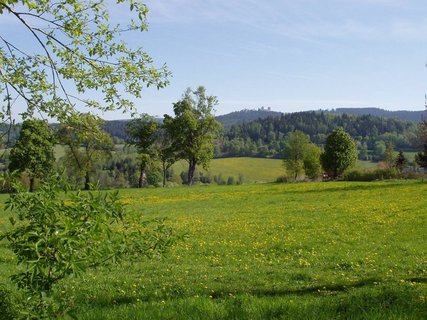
column 289, row 55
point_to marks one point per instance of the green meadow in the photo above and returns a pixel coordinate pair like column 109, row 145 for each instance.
column 253, row 170
column 331, row 250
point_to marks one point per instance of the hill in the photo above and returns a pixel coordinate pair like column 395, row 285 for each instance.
column 246, row 115
column 414, row 116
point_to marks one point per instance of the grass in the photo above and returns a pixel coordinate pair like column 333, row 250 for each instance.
column 335, row 250
column 253, row 170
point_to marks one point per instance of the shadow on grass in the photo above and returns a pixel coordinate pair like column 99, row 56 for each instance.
column 327, row 289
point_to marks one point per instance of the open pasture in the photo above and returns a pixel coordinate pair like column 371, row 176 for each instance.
column 335, row 250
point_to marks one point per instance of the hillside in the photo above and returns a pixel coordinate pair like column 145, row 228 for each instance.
column 246, row 115
column 414, row 116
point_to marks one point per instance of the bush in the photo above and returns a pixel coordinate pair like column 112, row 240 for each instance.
column 230, row 181
column 371, row 175
column 282, row 179
column 8, row 309
column 65, row 234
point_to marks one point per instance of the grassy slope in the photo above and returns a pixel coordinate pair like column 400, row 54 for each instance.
column 301, row 250
column 252, row 169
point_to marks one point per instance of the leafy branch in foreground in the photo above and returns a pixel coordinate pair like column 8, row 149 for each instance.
column 75, row 49
column 61, row 235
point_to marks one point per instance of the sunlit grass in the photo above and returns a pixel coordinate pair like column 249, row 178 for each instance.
column 284, row 251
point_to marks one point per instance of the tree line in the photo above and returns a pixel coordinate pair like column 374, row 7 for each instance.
column 265, row 137
column 189, row 135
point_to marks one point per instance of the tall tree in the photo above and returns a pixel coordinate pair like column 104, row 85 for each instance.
column 339, row 154
column 295, row 153
column 193, row 129
column 301, row 156
column 166, row 151
column 74, row 50
column 87, row 143
column 390, row 158
column 312, row 166
column 33, row 151
column 142, row 134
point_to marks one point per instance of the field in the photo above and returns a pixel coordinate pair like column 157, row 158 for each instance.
column 334, row 250
column 253, row 170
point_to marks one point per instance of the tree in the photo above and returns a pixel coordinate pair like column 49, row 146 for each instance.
column 86, row 143
column 301, row 156
column 193, row 129
column 142, row 134
column 400, row 161
column 390, row 158
column 421, row 156
column 312, row 166
column 166, row 152
column 339, row 154
column 75, row 51
column 295, row 152
column 33, row 151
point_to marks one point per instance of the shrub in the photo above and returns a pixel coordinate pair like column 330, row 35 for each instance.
column 230, row 180
column 8, row 308
column 61, row 235
column 371, row 175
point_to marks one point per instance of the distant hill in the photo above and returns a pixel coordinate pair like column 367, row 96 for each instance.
column 414, row 116
column 116, row 128
column 246, row 115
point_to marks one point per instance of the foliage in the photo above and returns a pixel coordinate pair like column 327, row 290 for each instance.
column 142, row 134
column 62, row 235
column 8, row 307
column 75, row 44
column 294, row 153
column 87, row 143
column 33, row 151
column 301, row 156
column 400, row 162
column 421, row 156
column 389, row 157
column 265, row 137
column 372, row 175
column 193, row 129
column 312, row 166
column 339, row 154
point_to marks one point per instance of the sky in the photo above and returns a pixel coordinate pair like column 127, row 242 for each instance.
column 287, row 55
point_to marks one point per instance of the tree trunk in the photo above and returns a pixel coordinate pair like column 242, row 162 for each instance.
column 32, row 183
column 141, row 181
column 191, row 170
column 164, row 174
column 87, row 181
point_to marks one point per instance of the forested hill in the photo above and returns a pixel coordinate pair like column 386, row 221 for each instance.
column 415, row 116
column 116, row 128
column 246, row 115
column 265, row 137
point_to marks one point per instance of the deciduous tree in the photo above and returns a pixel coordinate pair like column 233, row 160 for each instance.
column 193, row 129
column 339, row 154
column 142, row 134
column 87, row 143
column 33, row 151
column 73, row 51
